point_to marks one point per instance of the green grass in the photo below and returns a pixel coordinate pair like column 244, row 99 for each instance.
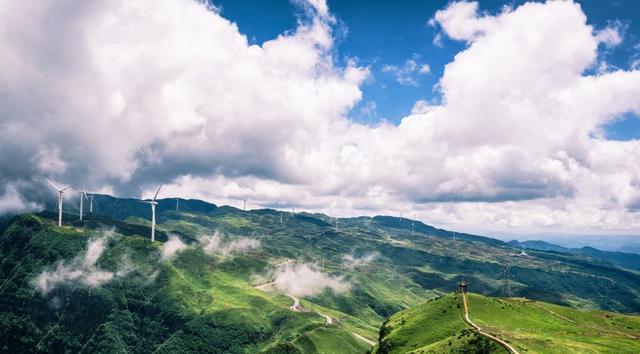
column 329, row 341
column 432, row 322
column 196, row 300
column 463, row 342
column 531, row 328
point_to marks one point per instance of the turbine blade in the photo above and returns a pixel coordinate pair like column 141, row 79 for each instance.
column 52, row 184
column 156, row 196
column 62, row 190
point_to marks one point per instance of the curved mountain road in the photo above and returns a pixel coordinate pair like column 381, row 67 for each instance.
column 506, row 345
column 364, row 339
column 296, row 307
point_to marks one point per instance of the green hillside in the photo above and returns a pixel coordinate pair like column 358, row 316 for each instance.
column 530, row 326
column 199, row 301
column 539, row 327
column 434, row 327
column 188, row 304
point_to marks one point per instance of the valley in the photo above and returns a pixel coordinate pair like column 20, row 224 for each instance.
column 219, row 279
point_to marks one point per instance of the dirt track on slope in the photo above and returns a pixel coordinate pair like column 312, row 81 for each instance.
column 506, row 345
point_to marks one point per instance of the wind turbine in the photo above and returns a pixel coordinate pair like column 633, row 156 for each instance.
column 90, row 202
column 177, row 203
column 153, row 214
column 244, row 204
column 82, row 194
column 59, row 203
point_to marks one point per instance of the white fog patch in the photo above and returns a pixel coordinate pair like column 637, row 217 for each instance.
column 12, row 202
column 213, row 244
column 126, row 266
column 81, row 270
column 303, row 280
column 352, row 261
column 172, row 247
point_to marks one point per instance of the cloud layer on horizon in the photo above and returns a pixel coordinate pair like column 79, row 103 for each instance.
column 124, row 95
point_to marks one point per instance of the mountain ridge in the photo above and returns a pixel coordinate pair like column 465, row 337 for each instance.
column 197, row 283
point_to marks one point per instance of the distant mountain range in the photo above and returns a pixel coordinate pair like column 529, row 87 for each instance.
column 123, row 208
column 221, row 279
column 622, row 259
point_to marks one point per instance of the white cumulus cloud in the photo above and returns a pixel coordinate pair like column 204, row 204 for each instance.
column 116, row 94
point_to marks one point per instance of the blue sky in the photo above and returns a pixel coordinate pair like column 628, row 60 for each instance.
column 382, row 32
column 527, row 141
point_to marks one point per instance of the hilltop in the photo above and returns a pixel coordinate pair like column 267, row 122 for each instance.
column 217, row 272
column 529, row 326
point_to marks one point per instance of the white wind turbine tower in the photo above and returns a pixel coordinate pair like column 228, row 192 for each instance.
column 90, row 203
column 177, row 203
column 153, row 214
column 83, row 194
column 59, row 203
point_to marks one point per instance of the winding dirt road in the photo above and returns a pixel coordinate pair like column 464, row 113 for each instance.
column 296, row 307
column 481, row 332
column 364, row 339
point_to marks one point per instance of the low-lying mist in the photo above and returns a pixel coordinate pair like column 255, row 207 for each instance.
column 304, row 280
column 352, row 261
column 215, row 244
column 82, row 269
column 171, row 248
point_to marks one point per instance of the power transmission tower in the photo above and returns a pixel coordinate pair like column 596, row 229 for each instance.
column 506, row 281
